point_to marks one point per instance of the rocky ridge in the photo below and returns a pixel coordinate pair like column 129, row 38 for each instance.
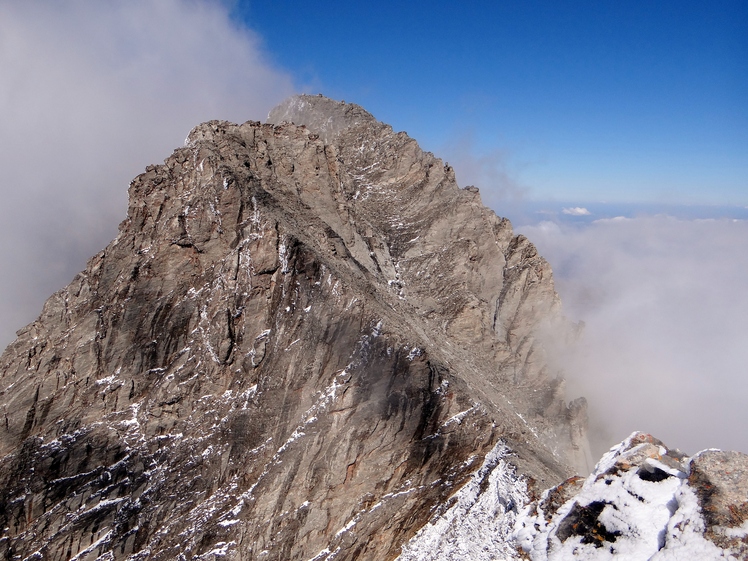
column 298, row 345
column 306, row 342
column 644, row 501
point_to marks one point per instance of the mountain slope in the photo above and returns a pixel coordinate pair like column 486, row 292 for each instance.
column 301, row 342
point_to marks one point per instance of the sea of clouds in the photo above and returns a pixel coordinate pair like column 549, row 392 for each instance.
column 664, row 347
column 662, row 291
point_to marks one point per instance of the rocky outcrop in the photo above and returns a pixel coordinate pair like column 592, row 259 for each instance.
column 303, row 340
column 720, row 481
column 644, row 501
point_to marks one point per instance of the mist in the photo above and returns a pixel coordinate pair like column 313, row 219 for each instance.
column 664, row 348
column 91, row 93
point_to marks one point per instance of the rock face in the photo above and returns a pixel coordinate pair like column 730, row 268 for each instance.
column 301, row 342
column 306, row 342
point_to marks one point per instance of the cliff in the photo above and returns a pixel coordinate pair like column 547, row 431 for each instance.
column 305, row 342
column 295, row 329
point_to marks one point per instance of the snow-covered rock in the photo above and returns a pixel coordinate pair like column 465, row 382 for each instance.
column 476, row 523
column 644, row 502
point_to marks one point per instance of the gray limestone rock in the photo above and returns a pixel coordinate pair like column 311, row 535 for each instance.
column 304, row 338
column 720, row 479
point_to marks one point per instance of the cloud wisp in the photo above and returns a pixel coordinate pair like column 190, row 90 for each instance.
column 91, row 93
column 664, row 345
column 576, row 211
column 489, row 170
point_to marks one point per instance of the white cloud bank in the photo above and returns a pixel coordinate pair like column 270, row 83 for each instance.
column 90, row 93
column 665, row 346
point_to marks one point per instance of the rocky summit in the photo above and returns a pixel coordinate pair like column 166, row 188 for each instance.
column 307, row 342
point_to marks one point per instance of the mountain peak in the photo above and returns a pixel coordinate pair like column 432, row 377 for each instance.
column 305, row 340
column 322, row 115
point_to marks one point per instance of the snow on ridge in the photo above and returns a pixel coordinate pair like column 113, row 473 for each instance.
column 479, row 525
column 636, row 505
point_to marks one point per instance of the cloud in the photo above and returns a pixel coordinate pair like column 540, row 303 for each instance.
column 613, row 219
column 576, row 211
column 489, row 170
column 664, row 346
column 91, row 93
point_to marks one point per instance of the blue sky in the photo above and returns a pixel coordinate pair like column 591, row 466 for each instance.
column 585, row 101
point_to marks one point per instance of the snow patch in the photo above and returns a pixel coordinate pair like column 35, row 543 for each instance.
column 632, row 507
column 479, row 525
column 414, row 352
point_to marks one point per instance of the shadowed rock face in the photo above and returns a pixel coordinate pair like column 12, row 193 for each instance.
column 300, row 342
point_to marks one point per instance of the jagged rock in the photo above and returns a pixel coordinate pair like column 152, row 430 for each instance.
column 644, row 502
column 720, row 480
column 306, row 342
column 478, row 521
column 303, row 340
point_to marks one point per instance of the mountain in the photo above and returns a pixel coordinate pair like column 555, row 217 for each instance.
column 305, row 342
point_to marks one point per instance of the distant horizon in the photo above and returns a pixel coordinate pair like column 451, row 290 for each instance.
column 530, row 211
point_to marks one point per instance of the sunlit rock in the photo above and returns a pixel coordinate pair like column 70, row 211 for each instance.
column 301, row 344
